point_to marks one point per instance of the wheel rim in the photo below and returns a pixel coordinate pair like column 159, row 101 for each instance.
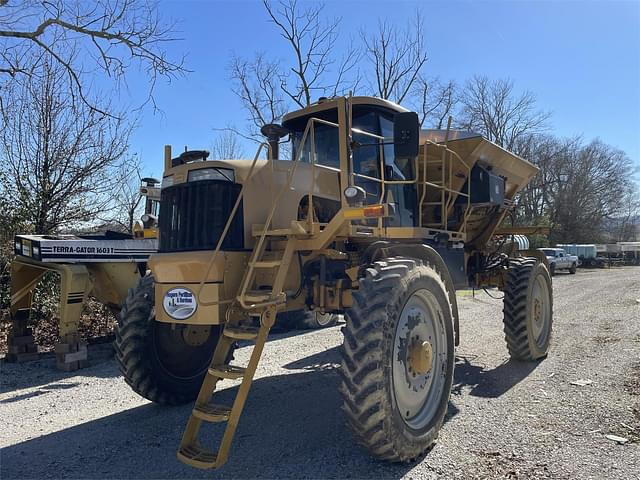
column 176, row 357
column 419, row 359
column 323, row 319
column 540, row 310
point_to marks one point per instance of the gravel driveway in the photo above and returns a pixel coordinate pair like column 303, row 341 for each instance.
column 505, row 420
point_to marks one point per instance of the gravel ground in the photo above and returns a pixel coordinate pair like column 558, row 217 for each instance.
column 505, row 420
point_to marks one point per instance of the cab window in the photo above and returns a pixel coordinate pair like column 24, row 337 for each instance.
column 327, row 146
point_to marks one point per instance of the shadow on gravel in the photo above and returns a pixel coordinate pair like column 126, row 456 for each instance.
column 17, row 376
column 292, row 427
column 41, row 391
column 490, row 383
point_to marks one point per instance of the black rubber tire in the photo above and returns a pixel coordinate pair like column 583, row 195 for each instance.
column 573, row 269
column 141, row 359
column 552, row 269
column 518, row 309
column 367, row 384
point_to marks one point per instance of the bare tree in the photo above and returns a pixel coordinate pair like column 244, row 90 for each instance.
column 59, row 156
column 494, row 109
column 257, row 84
column 83, row 37
column 226, row 146
column 126, row 205
column 437, row 101
column 268, row 88
column 583, row 191
column 396, row 58
column 597, row 177
column 313, row 42
column 626, row 226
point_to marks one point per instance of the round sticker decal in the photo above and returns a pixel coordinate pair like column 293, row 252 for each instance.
column 179, row 303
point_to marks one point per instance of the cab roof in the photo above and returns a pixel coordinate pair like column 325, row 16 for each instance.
column 329, row 103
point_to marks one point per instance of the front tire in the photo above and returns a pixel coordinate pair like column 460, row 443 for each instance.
column 398, row 359
column 161, row 362
column 528, row 309
column 573, row 269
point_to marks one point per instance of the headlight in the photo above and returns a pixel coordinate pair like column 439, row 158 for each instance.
column 36, row 251
column 18, row 246
column 167, row 181
column 226, row 174
column 354, row 195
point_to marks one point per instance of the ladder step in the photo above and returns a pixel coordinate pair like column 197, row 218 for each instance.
column 231, row 372
column 297, row 228
column 196, row 456
column 258, row 296
column 279, row 232
column 239, row 332
column 211, row 412
column 267, row 264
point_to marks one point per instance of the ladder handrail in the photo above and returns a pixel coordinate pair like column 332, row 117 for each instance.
column 259, row 244
column 228, row 224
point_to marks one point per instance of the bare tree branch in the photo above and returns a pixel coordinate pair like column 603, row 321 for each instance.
column 396, row 57
column 116, row 35
column 60, row 157
column 312, row 41
column 226, row 146
column 256, row 84
column 491, row 107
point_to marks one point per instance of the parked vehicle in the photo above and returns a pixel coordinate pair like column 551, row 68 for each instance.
column 587, row 254
column 362, row 219
column 560, row 260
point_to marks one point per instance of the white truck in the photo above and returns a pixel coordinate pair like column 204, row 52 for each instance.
column 560, row 260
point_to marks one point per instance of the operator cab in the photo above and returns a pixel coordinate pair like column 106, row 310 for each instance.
column 373, row 161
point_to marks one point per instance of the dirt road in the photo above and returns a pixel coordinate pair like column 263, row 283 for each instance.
column 505, row 420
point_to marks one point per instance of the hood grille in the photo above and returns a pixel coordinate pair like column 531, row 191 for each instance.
column 193, row 216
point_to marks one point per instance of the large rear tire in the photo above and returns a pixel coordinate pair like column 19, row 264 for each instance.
column 398, row 359
column 161, row 362
column 528, row 309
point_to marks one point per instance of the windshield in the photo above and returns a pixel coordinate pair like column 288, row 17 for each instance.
column 548, row 252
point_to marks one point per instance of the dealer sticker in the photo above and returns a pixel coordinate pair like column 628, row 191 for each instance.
column 179, row 303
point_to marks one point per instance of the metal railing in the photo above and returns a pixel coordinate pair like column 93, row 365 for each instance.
column 447, row 194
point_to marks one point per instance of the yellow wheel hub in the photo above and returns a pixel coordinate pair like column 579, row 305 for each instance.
column 420, row 357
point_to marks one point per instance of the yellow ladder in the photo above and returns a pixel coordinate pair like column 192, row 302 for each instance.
column 191, row 451
column 254, row 299
column 262, row 303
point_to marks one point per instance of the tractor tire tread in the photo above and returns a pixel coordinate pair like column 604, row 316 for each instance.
column 365, row 403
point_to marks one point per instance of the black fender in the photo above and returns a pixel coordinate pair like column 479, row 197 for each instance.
column 426, row 253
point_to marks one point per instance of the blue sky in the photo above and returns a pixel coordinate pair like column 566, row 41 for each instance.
column 580, row 58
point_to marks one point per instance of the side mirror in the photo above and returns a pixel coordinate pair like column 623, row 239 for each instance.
column 406, row 135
